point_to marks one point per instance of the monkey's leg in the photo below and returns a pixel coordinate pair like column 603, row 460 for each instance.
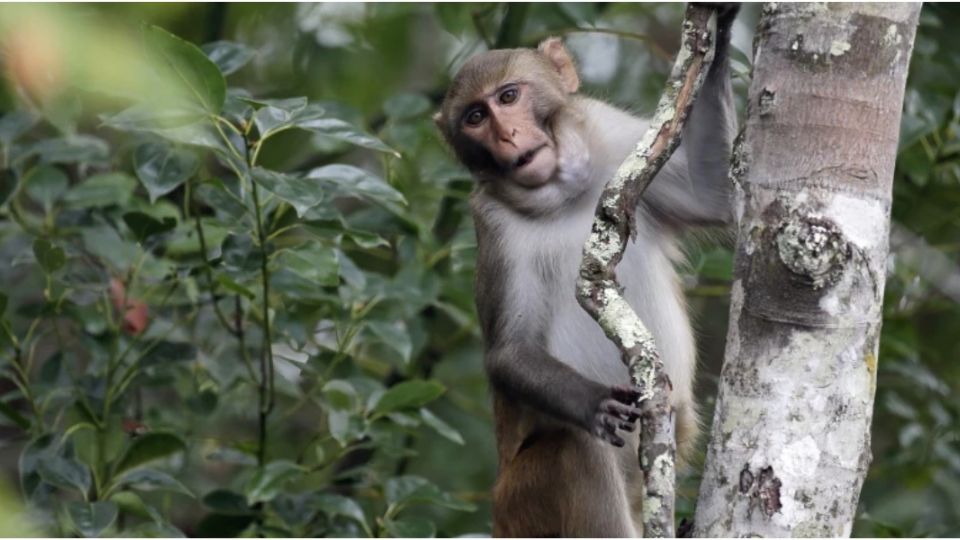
column 563, row 483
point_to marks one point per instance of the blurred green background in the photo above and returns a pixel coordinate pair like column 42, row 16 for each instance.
column 149, row 189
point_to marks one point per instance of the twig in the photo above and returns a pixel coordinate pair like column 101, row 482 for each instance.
column 601, row 295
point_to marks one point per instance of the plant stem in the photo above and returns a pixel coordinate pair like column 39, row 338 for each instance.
column 266, row 354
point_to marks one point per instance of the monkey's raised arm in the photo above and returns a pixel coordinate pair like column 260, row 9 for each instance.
column 695, row 189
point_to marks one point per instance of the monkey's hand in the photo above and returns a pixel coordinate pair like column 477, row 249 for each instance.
column 618, row 411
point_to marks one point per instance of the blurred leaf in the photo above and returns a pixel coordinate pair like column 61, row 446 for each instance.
column 277, row 115
column 162, row 168
column 152, row 480
column 223, row 501
column 313, row 262
column 64, row 473
column 301, row 193
column 341, row 395
column 223, row 526
column 168, row 352
column 36, row 450
column 144, row 226
column 338, row 505
column 216, row 195
column 151, row 117
column 73, row 149
column 13, row 124
column 91, row 519
column 50, row 257
column 352, row 181
column 13, row 415
column 441, row 427
column 233, row 286
column 394, row 335
column 405, row 106
column 410, row 527
column 269, row 480
column 403, row 491
column 344, row 426
column 343, row 131
column 149, row 447
column 45, row 184
column 229, row 56
column 101, row 190
column 454, row 17
column 201, row 78
column 8, row 184
column 105, row 243
column 408, row 395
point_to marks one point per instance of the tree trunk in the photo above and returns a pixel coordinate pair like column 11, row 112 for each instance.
column 813, row 170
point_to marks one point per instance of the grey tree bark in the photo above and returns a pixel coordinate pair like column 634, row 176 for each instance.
column 790, row 440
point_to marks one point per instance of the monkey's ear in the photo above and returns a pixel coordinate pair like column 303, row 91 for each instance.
column 554, row 50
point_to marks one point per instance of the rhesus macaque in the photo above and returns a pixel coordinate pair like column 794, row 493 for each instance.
column 541, row 153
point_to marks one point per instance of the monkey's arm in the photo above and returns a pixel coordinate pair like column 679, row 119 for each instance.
column 695, row 188
column 529, row 374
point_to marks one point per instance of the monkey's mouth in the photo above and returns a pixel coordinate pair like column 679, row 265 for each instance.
column 526, row 157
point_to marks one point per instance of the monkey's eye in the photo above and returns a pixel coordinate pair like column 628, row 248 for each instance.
column 474, row 117
column 509, row 95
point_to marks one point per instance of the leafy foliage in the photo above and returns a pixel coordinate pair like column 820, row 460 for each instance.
column 239, row 273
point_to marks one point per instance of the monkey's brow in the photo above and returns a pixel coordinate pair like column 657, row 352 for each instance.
column 501, row 88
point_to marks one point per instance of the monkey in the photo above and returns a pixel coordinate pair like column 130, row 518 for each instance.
column 540, row 153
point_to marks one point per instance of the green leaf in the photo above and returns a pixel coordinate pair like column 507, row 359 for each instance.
column 395, row 335
column 104, row 242
column 408, row 395
column 441, row 427
column 200, row 77
column 152, row 480
column 8, row 184
column 344, row 426
column 405, row 106
column 232, row 286
column 161, row 168
column 91, row 519
column 50, row 257
column 169, row 352
column 14, row 415
column 45, row 184
column 216, row 195
column 343, row 131
column 38, row 449
column 341, row 395
column 147, row 448
column 301, row 193
column 64, row 473
column 269, row 480
column 222, row 526
column 410, row 527
column 101, row 190
column 315, row 263
column 282, row 114
column 144, row 226
column 228, row 56
column 152, row 117
column 227, row 502
column 337, row 505
column 402, row 491
column 347, row 180
column 73, row 149
column 14, row 124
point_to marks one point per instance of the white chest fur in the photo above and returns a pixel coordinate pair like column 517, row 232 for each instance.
column 545, row 257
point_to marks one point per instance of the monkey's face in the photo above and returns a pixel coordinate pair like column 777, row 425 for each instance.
column 500, row 110
column 506, row 123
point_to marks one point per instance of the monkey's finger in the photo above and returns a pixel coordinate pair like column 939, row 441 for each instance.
column 625, row 394
column 629, row 427
column 621, row 411
column 611, row 438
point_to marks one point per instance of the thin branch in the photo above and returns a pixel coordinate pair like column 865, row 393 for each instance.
column 601, row 295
